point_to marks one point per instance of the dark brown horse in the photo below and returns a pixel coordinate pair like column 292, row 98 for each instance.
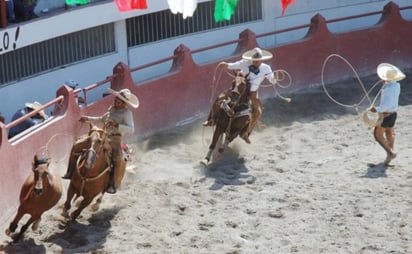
column 92, row 173
column 40, row 191
column 231, row 113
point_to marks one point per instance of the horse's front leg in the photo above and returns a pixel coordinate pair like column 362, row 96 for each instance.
column 13, row 225
column 68, row 203
column 216, row 135
column 25, row 227
column 97, row 203
column 85, row 202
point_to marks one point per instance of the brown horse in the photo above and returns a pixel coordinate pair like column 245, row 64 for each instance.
column 40, row 191
column 231, row 113
column 92, row 173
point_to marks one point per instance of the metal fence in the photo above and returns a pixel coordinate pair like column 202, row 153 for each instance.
column 164, row 24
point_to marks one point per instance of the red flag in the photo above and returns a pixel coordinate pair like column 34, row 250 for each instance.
column 139, row 4
column 285, row 4
column 129, row 5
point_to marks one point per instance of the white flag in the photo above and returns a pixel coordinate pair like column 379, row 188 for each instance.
column 186, row 7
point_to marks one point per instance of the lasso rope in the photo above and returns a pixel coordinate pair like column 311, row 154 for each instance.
column 44, row 151
column 364, row 115
column 280, row 75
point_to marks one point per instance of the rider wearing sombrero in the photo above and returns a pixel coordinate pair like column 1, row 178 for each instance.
column 252, row 66
column 389, row 98
column 118, row 120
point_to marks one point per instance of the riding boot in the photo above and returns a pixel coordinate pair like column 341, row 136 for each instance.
column 255, row 116
column 111, row 188
column 68, row 175
column 74, row 155
column 72, row 164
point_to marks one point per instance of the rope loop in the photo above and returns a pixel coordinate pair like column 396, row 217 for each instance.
column 365, row 115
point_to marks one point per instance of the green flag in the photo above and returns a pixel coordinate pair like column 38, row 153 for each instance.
column 224, row 9
column 74, row 2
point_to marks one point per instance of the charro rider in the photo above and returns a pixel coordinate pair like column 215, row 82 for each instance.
column 118, row 120
column 255, row 71
column 388, row 105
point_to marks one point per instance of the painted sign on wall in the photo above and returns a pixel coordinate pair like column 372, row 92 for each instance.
column 8, row 40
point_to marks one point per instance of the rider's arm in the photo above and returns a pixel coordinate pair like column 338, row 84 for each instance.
column 128, row 125
column 94, row 118
column 268, row 73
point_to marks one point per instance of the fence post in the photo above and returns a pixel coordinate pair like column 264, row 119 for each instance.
column 3, row 14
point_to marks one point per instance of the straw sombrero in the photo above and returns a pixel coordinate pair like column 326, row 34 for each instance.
column 389, row 72
column 257, row 54
column 126, row 96
column 36, row 105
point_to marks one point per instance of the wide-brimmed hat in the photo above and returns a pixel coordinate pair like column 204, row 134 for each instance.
column 71, row 83
column 389, row 72
column 257, row 54
column 126, row 96
column 36, row 105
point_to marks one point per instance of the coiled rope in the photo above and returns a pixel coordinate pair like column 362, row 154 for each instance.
column 370, row 123
column 280, row 76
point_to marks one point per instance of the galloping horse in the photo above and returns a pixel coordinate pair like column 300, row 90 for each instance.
column 231, row 114
column 92, row 173
column 40, row 191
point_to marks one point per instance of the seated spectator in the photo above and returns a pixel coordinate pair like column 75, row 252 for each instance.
column 11, row 17
column 24, row 9
column 73, row 84
column 29, row 122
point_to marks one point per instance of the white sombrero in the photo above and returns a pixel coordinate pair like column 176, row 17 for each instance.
column 257, row 54
column 126, row 96
column 36, row 105
column 389, row 72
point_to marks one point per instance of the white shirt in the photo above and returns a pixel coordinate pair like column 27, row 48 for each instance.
column 389, row 99
column 265, row 72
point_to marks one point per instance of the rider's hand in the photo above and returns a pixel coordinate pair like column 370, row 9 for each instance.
column 113, row 123
column 83, row 119
column 223, row 63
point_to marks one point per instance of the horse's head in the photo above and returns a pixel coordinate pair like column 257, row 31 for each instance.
column 40, row 169
column 96, row 146
column 240, row 87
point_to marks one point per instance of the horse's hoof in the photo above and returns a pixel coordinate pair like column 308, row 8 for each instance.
column 8, row 232
column 204, row 162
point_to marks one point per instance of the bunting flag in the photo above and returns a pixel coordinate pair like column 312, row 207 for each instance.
column 224, row 9
column 74, row 2
column 186, row 7
column 285, row 4
column 129, row 5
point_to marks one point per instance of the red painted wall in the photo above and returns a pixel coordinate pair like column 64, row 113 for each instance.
column 186, row 90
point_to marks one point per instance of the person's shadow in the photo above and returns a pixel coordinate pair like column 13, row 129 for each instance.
column 376, row 170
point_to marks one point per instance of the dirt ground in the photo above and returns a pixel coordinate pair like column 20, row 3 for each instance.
column 304, row 185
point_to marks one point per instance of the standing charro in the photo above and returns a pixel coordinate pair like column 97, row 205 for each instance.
column 384, row 132
column 117, row 121
column 255, row 71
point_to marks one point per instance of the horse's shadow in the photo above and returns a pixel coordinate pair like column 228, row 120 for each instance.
column 229, row 169
column 23, row 246
column 376, row 170
column 79, row 237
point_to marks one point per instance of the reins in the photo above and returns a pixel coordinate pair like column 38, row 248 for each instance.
column 85, row 179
